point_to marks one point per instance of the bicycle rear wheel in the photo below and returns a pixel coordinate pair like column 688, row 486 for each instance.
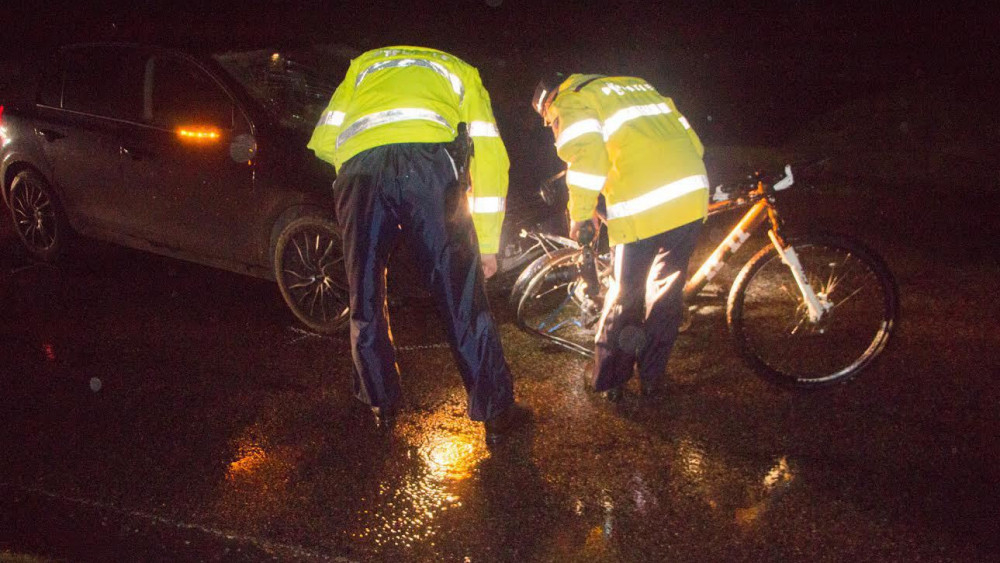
column 555, row 307
column 770, row 323
column 529, row 273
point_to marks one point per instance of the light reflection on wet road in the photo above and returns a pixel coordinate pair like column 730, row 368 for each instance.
column 221, row 431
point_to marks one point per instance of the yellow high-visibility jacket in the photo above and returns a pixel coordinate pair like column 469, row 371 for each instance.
column 620, row 137
column 419, row 95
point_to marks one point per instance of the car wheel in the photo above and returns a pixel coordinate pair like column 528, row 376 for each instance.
column 309, row 269
column 38, row 216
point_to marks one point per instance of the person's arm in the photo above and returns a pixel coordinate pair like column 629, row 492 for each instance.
column 324, row 137
column 580, row 144
column 488, row 168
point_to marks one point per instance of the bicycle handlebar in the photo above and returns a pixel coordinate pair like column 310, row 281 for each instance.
column 758, row 184
column 785, row 182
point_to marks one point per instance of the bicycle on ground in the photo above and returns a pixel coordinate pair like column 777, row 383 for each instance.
column 805, row 311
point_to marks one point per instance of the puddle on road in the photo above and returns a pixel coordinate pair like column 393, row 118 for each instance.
column 408, row 508
column 710, row 487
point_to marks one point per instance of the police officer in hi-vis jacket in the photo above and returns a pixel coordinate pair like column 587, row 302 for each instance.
column 392, row 131
column 619, row 137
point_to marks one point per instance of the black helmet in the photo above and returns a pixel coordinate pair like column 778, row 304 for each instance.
column 545, row 92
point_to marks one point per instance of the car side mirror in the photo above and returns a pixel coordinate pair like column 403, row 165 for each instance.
column 243, row 148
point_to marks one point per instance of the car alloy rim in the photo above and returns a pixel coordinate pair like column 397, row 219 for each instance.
column 310, row 262
column 34, row 216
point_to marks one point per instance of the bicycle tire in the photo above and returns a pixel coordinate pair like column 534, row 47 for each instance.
column 769, row 324
column 553, row 307
column 535, row 266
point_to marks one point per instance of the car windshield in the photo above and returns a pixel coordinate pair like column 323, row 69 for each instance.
column 294, row 86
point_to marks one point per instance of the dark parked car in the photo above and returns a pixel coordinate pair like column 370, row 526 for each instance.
column 197, row 157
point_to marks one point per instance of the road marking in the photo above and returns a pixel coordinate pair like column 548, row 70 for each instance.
column 31, row 266
column 265, row 545
column 303, row 334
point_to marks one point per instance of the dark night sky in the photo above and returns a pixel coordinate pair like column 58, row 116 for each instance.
column 742, row 73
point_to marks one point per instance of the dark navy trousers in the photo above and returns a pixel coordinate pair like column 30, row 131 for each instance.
column 410, row 190
column 644, row 307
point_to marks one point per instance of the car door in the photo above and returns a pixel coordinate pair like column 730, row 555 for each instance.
column 89, row 95
column 180, row 165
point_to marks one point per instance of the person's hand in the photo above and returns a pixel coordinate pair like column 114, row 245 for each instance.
column 489, row 264
column 574, row 227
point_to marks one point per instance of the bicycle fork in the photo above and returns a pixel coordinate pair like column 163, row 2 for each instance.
column 760, row 212
column 814, row 306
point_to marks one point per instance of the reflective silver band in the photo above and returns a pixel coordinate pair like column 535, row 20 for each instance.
column 591, row 182
column 487, row 204
column 389, row 116
column 335, row 118
column 483, row 129
column 621, row 116
column 582, row 127
column 613, row 123
column 657, row 197
column 456, row 82
column 541, row 98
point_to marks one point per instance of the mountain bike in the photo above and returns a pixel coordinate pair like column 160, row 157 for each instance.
column 805, row 311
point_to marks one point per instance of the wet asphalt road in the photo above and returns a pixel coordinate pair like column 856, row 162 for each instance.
column 158, row 410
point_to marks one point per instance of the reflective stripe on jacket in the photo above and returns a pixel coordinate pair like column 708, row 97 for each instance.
column 620, row 137
column 419, row 95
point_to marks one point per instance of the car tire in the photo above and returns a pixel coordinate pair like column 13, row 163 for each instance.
column 309, row 268
column 38, row 216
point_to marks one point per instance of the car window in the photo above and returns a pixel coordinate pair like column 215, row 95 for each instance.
column 101, row 81
column 178, row 93
column 293, row 86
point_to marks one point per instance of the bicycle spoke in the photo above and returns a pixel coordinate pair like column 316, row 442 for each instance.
column 783, row 342
column 846, row 298
column 553, row 308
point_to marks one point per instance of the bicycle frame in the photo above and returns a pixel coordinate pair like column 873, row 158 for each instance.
column 763, row 210
column 555, row 305
column 542, row 243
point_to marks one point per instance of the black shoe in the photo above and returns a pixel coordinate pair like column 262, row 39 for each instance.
column 385, row 418
column 501, row 425
column 615, row 394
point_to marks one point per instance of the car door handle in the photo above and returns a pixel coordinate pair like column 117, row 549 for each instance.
column 49, row 135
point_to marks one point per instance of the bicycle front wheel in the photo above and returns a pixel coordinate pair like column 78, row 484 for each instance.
column 770, row 322
column 555, row 307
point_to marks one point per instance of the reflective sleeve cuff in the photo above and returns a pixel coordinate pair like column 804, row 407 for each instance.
column 591, row 182
column 487, row 205
column 483, row 129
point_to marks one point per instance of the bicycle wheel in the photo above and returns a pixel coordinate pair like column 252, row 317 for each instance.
column 770, row 324
column 529, row 273
column 555, row 307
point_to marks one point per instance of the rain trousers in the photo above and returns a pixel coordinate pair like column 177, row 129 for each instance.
column 621, row 139
column 397, row 183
